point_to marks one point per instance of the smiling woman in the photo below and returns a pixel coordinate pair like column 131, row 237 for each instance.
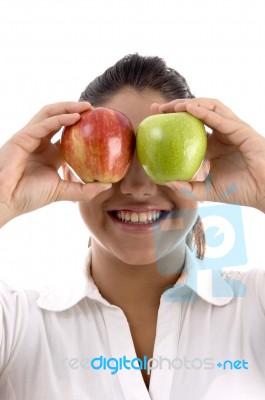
column 144, row 76
column 144, row 291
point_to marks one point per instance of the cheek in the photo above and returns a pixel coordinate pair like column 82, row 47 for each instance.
column 91, row 211
column 172, row 237
column 84, row 212
column 183, row 219
column 90, row 215
column 184, row 203
column 189, row 213
column 179, row 223
column 190, row 216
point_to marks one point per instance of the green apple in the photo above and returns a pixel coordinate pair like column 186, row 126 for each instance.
column 171, row 146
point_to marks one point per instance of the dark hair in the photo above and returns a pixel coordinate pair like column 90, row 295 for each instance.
column 142, row 72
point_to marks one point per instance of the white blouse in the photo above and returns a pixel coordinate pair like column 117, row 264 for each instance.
column 72, row 344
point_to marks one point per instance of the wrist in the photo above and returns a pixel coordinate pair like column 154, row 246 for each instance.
column 261, row 206
column 5, row 215
column 262, row 209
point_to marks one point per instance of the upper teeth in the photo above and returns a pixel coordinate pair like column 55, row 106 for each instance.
column 145, row 217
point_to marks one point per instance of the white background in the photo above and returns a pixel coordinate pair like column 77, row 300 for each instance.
column 50, row 50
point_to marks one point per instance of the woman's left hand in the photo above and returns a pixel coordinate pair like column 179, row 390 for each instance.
column 235, row 156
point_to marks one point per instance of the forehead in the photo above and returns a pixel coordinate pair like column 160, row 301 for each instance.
column 135, row 104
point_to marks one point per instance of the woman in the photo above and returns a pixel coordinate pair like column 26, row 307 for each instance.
column 144, row 294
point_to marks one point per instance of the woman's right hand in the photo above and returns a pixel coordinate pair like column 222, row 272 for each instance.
column 29, row 164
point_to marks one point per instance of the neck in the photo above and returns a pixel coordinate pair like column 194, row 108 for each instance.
column 134, row 287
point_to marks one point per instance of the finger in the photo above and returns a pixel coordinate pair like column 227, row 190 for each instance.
column 28, row 139
column 178, row 107
column 50, row 155
column 196, row 190
column 75, row 191
column 170, row 106
column 209, row 104
column 229, row 131
column 69, row 107
column 214, row 105
column 155, row 108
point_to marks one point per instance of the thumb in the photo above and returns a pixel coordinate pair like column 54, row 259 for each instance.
column 198, row 188
column 76, row 191
column 194, row 190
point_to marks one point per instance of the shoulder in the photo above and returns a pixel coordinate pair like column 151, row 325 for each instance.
column 16, row 306
column 15, row 299
column 248, row 284
column 252, row 276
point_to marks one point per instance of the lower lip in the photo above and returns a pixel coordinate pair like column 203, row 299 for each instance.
column 135, row 227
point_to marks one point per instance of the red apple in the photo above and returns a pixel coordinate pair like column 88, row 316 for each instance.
column 100, row 146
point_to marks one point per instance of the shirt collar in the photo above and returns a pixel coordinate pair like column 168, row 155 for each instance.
column 197, row 280
column 194, row 281
column 64, row 297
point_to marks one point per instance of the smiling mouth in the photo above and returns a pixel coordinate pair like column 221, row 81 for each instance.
column 132, row 217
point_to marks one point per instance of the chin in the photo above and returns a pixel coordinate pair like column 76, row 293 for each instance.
column 162, row 254
column 137, row 257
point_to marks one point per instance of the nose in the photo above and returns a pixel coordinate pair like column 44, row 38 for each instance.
column 136, row 183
